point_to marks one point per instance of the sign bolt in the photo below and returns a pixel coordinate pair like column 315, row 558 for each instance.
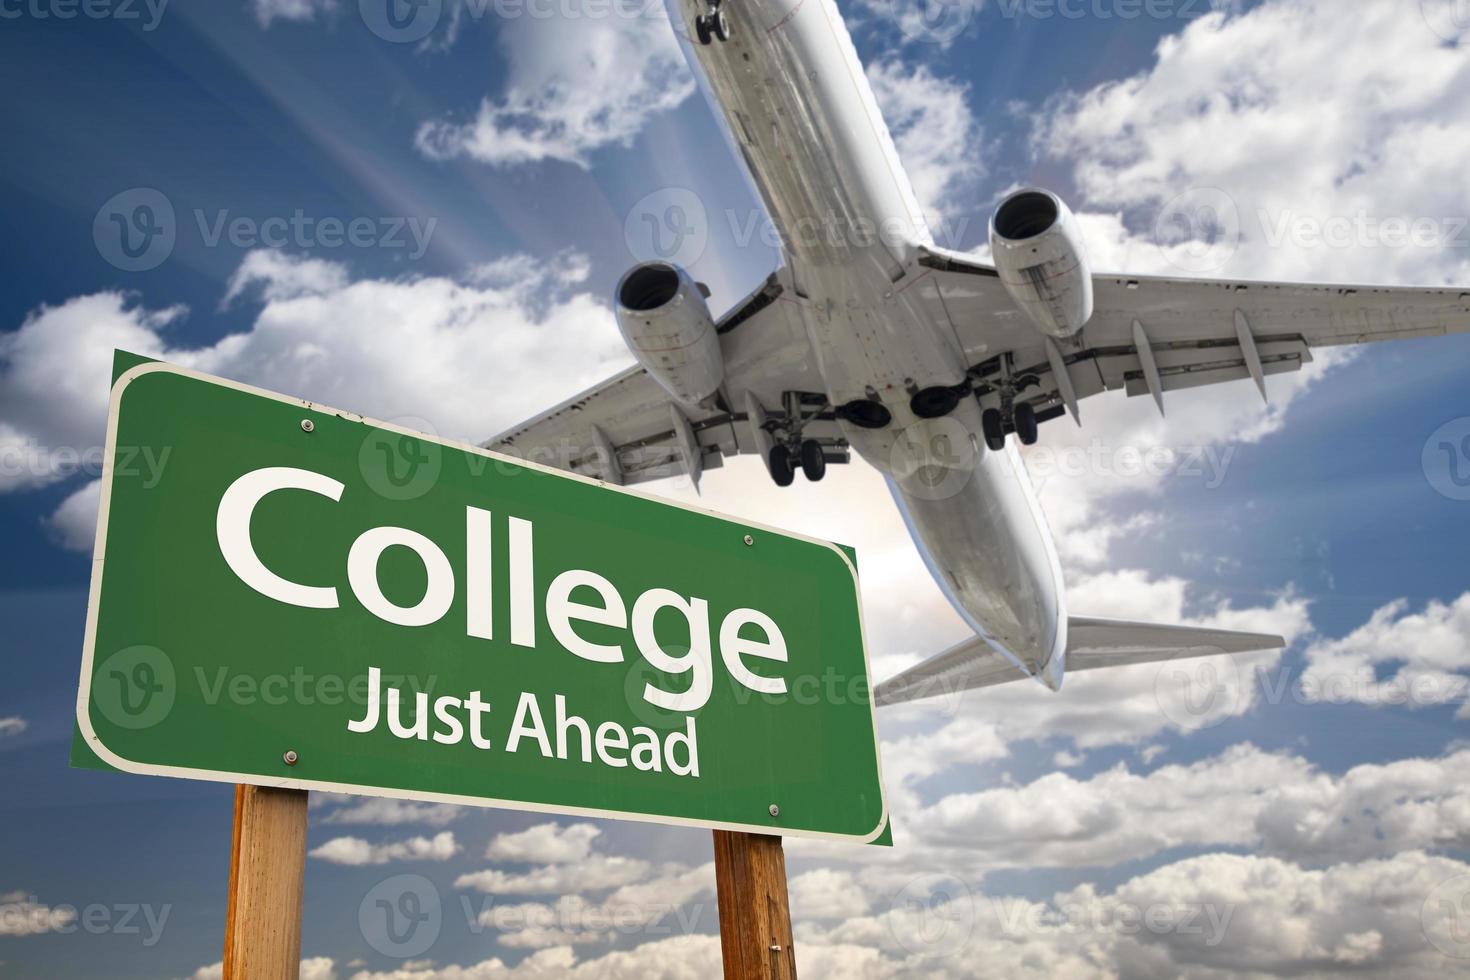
column 307, row 425
column 749, row 539
column 775, row 810
column 290, row 757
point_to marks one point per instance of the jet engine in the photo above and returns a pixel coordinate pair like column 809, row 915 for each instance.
column 1037, row 249
column 667, row 325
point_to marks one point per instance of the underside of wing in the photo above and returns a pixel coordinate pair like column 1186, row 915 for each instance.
column 1092, row 644
column 629, row 430
column 1150, row 335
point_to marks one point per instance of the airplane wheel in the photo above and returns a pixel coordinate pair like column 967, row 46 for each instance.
column 1025, row 418
column 702, row 30
column 994, row 428
column 813, row 462
column 719, row 26
column 780, row 465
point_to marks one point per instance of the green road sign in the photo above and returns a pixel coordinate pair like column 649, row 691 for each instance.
column 291, row 595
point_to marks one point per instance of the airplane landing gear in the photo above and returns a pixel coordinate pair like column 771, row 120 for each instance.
column 712, row 25
column 813, row 460
column 780, row 466
column 1022, row 422
column 791, row 450
column 1012, row 416
column 1023, row 418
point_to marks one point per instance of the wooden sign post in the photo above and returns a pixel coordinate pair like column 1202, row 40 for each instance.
column 755, row 917
column 267, row 868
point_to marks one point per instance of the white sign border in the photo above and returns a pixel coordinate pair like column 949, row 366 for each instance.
column 95, row 743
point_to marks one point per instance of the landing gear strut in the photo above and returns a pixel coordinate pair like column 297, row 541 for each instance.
column 1012, row 416
column 712, row 25
column 792, row 451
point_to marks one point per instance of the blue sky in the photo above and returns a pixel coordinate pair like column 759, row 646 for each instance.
column 1322, row 829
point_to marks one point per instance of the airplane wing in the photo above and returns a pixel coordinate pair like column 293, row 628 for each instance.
column 627, row 430
column 1151, row 334
column 1092, row 644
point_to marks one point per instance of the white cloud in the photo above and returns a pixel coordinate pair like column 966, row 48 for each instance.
column 54, row 374
column 281, row 277
column 1384, row 141
column 1217, row 916
column 383, row 811
column 547, row 843
column 13, row 725
column 416, row 349
column 356, row 852
column 936, row 134
column 595, row 872
column 21, row 914
column 268, row 11
column 73, row 525
column 1397, row 658
column 592, row 83
column 665, row 899
column 313, row 968
column 827, row 894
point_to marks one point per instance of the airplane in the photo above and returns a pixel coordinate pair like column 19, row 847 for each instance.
column 928, row 363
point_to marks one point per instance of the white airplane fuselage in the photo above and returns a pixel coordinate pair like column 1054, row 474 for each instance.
column 798, row 107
